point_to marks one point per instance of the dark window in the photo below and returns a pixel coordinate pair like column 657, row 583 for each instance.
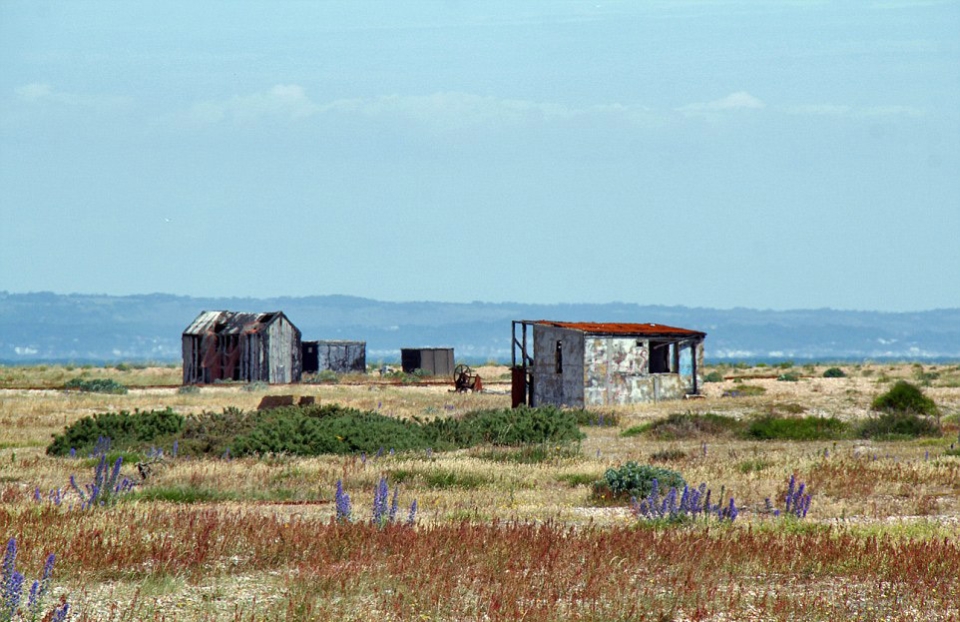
column 559, row 357
column 661, row 357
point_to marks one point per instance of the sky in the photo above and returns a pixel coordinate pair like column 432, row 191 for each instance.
column 722, row 154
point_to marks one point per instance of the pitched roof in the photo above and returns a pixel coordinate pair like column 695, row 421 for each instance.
column 229, row 322
column 619, row 328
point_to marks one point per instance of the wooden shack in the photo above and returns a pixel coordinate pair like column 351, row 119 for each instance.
column 243, row 347
column 342, row 357
column 434, row 361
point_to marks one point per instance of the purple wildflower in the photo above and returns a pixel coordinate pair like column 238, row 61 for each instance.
column 380, row 494
column 343, row 503
column 60, row 614
column 394, row 504
column 412, row 516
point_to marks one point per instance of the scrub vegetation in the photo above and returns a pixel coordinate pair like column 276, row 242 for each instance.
column 389, row 500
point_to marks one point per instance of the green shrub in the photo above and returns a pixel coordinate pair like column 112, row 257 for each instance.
column 714, row 376
column 904, row 397
column 687, row 425
column 326, row 430
column 789, row 377
column 506, row 426
column 898, row 425
column 334, row 429
column 834, row 372
column 188, row 389
column 137, row 430
column 97, row 385
column 771, row 427
column 635, row 480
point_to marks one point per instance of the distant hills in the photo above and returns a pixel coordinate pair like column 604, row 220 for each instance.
column 46, row 327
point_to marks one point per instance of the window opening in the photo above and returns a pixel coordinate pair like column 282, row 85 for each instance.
column 559, row 357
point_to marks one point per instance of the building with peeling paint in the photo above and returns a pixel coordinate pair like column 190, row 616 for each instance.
column 244, row 347
column 583, row 364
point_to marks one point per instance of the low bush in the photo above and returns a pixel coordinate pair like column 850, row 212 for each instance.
column 789, row 377
column 834, row 372
column 904, row 397
column 775, row 427
column 714, row 376
column 315, row 430
column 688, row 425
column 635, row 480
column 897, row 425
column 96, row 385
column 506, row 426
column 126, row 430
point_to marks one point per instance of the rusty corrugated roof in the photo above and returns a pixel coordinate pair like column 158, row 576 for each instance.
column 619, row 328
column 229, row 322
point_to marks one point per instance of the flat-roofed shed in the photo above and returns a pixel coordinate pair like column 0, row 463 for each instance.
column 604, row 363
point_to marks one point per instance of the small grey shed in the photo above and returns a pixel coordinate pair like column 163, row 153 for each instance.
column 342, row 357
column 434, row 361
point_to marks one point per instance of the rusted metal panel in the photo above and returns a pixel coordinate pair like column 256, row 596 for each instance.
column 620, row 328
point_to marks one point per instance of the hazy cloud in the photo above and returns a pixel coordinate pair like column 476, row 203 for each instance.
column 282, row 100
column 741, row 100
column 44, row 92
column 33, row 91
column 442, row 111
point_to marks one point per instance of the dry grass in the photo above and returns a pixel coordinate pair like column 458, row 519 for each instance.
column 498, row 540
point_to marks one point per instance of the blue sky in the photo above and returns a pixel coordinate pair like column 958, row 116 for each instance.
column 772, row 155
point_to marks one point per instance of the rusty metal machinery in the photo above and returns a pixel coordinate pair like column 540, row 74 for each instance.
column 465, row 380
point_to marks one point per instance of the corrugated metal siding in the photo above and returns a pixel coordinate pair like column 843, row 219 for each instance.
column 249, row 347
column 342, row 356
column 436, row 361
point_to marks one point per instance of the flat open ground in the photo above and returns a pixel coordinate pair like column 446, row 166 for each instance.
column 497, row 538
